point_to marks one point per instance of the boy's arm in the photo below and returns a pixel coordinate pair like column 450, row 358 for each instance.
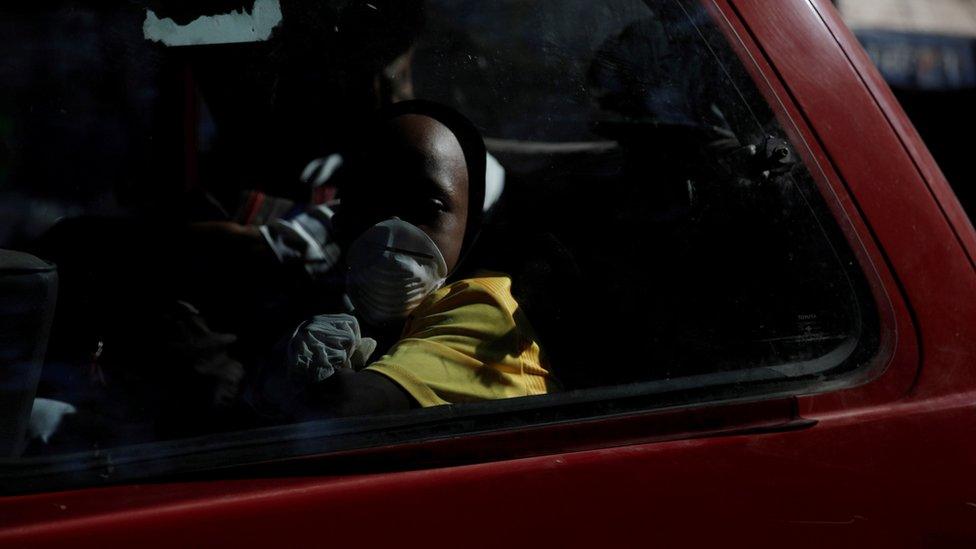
column 349, row 393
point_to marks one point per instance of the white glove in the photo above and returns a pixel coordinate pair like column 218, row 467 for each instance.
column 324, row 344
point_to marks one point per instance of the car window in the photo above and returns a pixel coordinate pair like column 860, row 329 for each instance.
column 274, row 228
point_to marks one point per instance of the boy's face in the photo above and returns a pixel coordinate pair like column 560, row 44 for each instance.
column 416, row 171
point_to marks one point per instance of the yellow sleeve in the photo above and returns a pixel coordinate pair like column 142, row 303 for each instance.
column 467, row 342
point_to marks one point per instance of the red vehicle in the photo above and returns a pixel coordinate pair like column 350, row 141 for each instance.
column 850, row 426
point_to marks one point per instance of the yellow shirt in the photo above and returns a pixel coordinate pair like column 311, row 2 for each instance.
column 467, row 342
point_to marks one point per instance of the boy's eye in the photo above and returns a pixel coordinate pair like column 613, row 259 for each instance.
column 430, row 210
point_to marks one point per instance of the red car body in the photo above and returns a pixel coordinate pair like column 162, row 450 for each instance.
column 888, row 462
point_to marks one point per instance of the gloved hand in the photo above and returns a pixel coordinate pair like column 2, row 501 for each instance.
column 325, row 344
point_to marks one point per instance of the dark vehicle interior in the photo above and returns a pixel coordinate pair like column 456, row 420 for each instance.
column 657, row 221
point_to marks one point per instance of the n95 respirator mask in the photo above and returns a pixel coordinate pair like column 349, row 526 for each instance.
column 393, row 267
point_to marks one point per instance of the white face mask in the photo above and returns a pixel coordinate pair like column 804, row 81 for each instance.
column 393, row 266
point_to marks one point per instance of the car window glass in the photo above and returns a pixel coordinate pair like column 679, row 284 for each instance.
column 213, row 235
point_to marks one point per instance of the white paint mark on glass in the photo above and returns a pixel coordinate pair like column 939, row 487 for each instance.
column 235, row 27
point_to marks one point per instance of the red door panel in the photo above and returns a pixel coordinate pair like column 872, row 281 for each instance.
column 885, row 463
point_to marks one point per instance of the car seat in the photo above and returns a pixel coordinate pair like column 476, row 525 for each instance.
column 546, row 280
column 28, row 290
